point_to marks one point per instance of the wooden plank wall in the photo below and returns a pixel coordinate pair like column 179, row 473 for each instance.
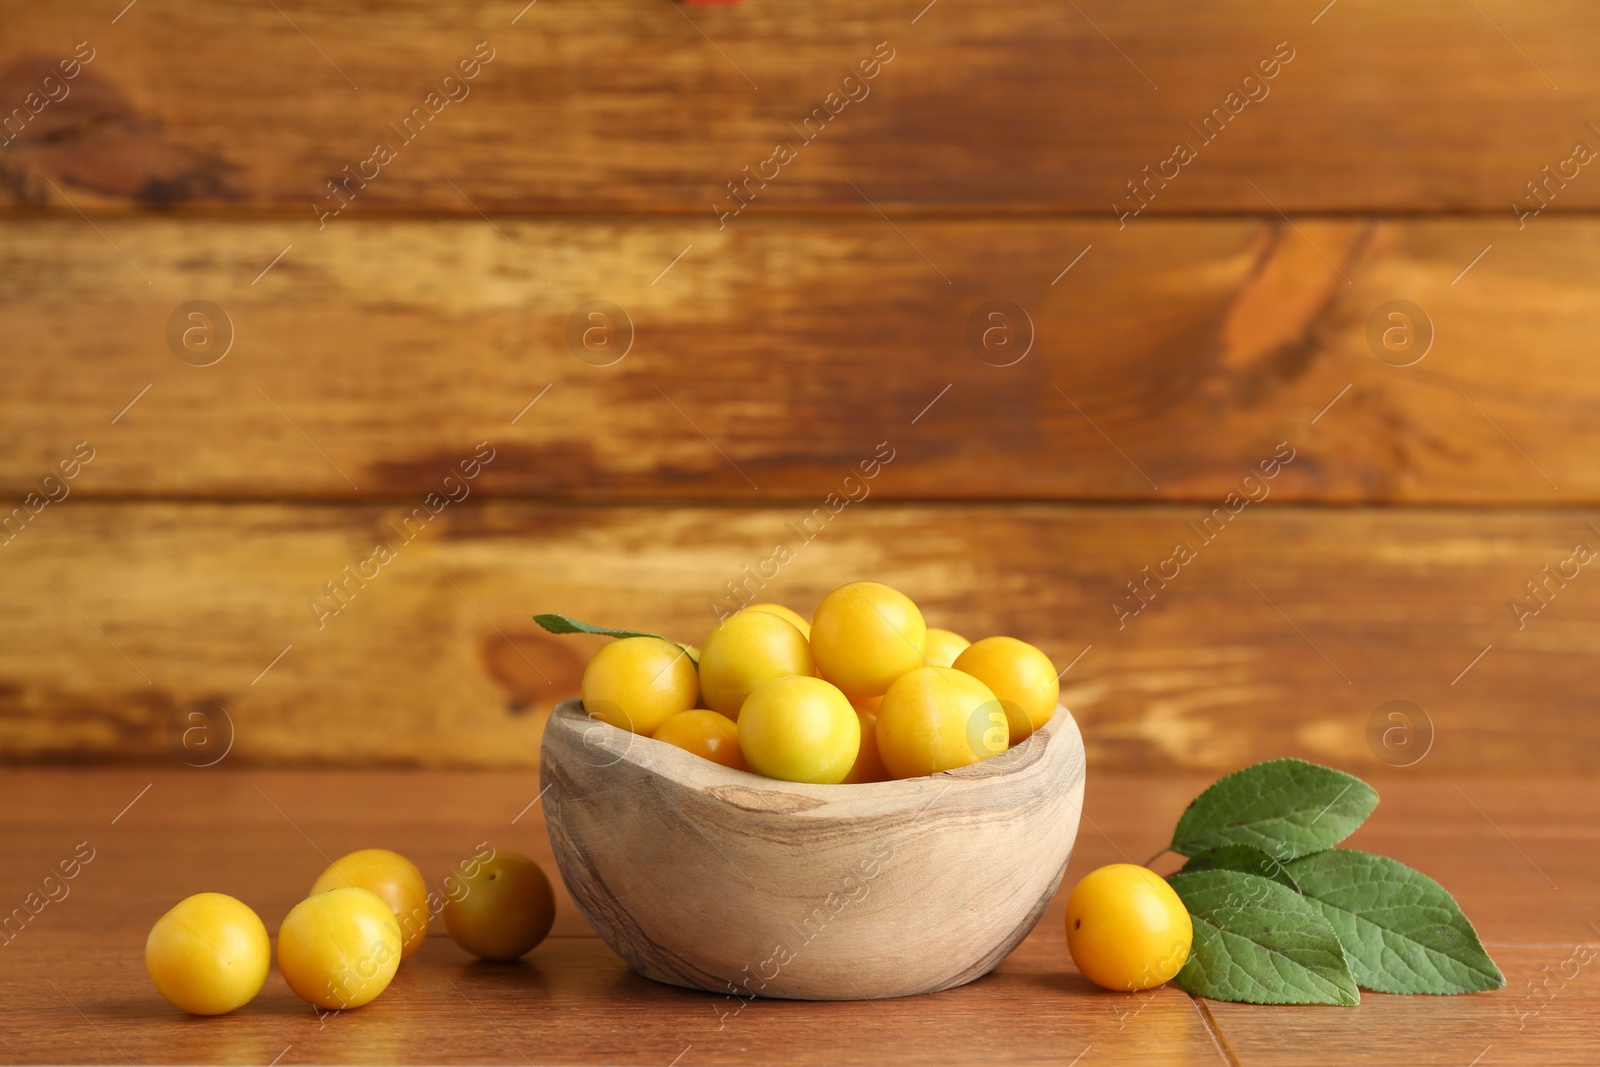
column 897, row 172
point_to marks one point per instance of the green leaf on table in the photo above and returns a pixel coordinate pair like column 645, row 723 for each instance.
column 1401, row 930
column 561, row 624
column 1256, row 942
column 1244, row 858
column 1286, row 807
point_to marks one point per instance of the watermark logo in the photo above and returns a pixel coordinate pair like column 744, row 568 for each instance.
column 1144, row 588
column 988, row 729
column 1544, row 189
column 452, row 87
column 200, row 733
column 600, row 333
column 1553, row 982
column 596, row 751
column 853, row 888
column 339, row 593
column 199, row 332
column 1400, row 333
column 1252, row 88
column 853, row 88
column 1000, row 333
column 1542, row 588
column 53, row 888
column 746, row 589
column 1399, row 733
column 48, row 90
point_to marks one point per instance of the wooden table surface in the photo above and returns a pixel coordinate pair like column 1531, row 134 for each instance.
column 1519, row 854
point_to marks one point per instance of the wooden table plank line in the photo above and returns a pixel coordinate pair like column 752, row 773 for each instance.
column 1224, row 1049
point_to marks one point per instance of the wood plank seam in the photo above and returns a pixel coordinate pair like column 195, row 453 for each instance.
column 1224, row 1049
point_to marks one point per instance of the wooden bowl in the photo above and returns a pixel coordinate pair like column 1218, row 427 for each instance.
column 722, row 880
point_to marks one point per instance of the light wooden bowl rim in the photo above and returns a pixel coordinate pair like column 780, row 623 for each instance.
column 751, row 791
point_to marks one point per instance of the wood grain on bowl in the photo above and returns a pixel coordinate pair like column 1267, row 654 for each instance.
column 721, row 880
